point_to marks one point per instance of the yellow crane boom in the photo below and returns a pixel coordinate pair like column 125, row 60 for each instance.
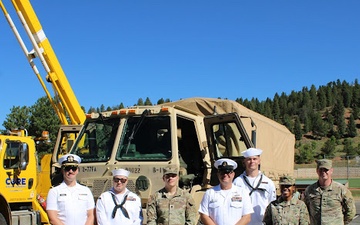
column 64, row 101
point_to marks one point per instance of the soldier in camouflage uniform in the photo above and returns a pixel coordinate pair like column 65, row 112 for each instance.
column 328, row 201
column 171, row 205
column 286, row 209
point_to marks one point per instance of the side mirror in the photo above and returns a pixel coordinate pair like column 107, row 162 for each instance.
column 24, row 156
column 253, row 137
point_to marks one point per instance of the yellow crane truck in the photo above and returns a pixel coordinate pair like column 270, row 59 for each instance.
column 20, row 202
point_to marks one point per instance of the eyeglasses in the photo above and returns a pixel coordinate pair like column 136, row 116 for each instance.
column 68, row 168
column 116, row 180
column 167, row 176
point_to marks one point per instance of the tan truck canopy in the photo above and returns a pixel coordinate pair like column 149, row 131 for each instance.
column 276, row 141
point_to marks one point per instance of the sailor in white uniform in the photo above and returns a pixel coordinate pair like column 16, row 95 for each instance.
column 225, row 203
column 261, row 188
column 119, row 205
column 70, row 203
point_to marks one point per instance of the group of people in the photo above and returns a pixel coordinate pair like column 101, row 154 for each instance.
column 248, row 199
column 324, row 202
column 73, row 204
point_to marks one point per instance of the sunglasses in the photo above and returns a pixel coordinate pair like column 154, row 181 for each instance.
column 167, row 176
column 122, row 180
column 68, row 168
column 285, row 186
column 323, row 170
column 225, row 172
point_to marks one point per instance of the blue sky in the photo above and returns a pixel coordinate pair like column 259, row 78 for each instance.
column 119, row 51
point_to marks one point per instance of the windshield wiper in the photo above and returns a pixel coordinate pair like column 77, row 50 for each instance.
column 136, row 128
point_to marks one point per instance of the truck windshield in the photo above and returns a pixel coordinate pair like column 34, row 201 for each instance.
column 96, row 140
column 151, row 141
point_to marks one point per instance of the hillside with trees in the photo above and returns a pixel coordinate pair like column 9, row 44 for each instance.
column 324, row 119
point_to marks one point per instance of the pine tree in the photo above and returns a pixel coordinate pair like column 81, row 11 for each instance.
column 306, row 99
column 297, row 129
column 287, row 122
column 329, row 95
column 313, row 96
column 140, row 102
column 341, row 128
column 355, row 95
column 318, row 126
column 44, row 118
column 351, row 127
column 283, row 104
column 102, row 108
column 307, row 126
column 147, row 101
column 276, row 110
column 239, row 100
column 338, row 113
column 267, row 108
column 338, row 110
column 321, row 96
column 346, row 94
column 291, row 109
column 259, row 107
column 328, row 150
column 306, row 154
column 18, row 117
column 91, row 110
column 160, row 101
column 349, row 149
column 355, row 112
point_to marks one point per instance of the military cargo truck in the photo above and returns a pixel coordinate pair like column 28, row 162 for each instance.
column 190, row 134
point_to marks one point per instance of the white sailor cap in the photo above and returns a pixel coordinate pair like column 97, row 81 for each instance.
column 225, row 164
column 69, row 159
column 120, row 172
column 251, row 152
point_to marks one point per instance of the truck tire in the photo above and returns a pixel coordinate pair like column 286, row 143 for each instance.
column 2, row 220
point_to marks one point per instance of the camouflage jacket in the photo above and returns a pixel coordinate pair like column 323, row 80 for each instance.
column 333, row 205
column 283, row 212
column 178, row 209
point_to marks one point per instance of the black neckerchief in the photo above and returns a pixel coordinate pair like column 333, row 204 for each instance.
column 257, row 186
column 119, row 206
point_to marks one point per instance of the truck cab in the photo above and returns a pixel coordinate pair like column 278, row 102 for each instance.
column 18, row 194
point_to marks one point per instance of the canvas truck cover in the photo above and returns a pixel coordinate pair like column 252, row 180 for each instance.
column 276, row 141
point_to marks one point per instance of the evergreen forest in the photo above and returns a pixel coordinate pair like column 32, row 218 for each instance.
column 325, row 120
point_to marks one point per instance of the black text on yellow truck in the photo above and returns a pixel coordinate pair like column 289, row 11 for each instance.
column 20, row 202
column 190, row 134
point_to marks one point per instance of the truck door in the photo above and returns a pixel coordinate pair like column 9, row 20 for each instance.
column 20, row 170
column 227, row 138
